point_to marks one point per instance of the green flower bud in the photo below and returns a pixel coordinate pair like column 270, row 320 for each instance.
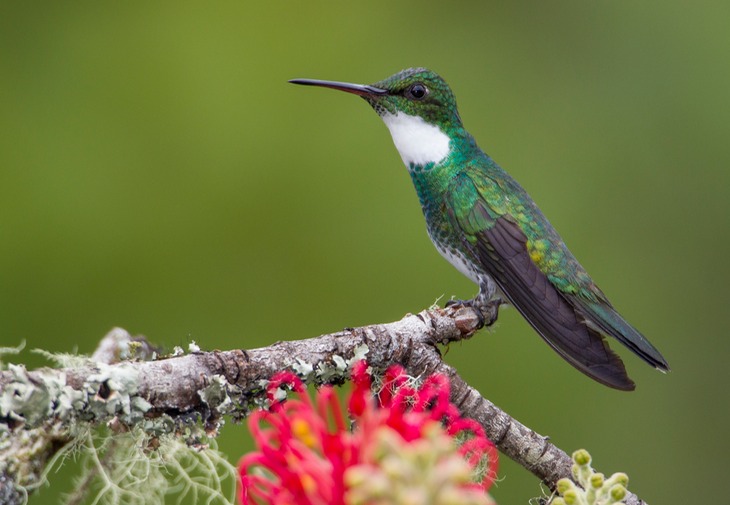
column 575, row 471
column 564, row 485
column 581, row 457
column 619, row 478
column 571, row 497
column 618, row 493
column 597, row 480
column 589, row 487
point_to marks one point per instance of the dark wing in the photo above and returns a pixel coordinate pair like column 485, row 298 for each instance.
column 502, row 251
column 501, row 248
column 604, row 317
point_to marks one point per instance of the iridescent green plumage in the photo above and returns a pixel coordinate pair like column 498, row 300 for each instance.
column 484, row 223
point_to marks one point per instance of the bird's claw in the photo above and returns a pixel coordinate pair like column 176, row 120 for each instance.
column 487, row 312
column 455, row 302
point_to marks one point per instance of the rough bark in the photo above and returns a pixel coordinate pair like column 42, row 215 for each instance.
column 209, row 385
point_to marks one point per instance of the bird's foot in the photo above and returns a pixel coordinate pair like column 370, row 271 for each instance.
column 486, row 310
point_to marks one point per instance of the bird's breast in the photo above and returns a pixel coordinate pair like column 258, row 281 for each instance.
column 449, row 247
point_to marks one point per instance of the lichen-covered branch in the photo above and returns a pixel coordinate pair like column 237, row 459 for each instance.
column 127, row 385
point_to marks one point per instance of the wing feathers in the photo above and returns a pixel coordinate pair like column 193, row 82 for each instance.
column 503, row 252
column 607, row 320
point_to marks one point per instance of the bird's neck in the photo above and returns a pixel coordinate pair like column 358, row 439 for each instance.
column 424, row 146
column 432, row 154
column 418, row 142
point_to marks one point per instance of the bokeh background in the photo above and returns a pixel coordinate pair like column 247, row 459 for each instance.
column 158, row 173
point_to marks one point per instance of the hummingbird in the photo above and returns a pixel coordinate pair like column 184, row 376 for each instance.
column 487, row 226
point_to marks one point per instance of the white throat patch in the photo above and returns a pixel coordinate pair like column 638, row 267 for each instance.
column 418, row 142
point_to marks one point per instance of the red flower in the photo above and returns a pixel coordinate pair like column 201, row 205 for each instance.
column 402, row 444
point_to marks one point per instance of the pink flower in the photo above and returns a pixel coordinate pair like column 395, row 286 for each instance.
column 403, row 442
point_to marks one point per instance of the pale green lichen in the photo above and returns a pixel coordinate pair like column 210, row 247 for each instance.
column 328, row 373
column 593, row 488
column 134, row 349
column 11, row 350
column 360, row 354
column 280, row 394
column 112, row 392
column 45, row 415
column 435, row 304
column 129, row 457
column 132, row 458
column 303, row 369
column 136, row 469
column 215, row 394
column 325, row 373
column 64, row 359
column 24, row 454
column 30, row 401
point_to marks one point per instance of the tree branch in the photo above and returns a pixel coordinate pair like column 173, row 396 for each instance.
column 169, row 392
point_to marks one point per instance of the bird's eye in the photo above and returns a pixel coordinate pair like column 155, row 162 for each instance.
column 417, row 91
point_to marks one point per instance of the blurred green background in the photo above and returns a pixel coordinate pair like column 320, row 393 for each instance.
column 158, row 173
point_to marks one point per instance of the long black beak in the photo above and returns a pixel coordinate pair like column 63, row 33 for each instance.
column 357, row 89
